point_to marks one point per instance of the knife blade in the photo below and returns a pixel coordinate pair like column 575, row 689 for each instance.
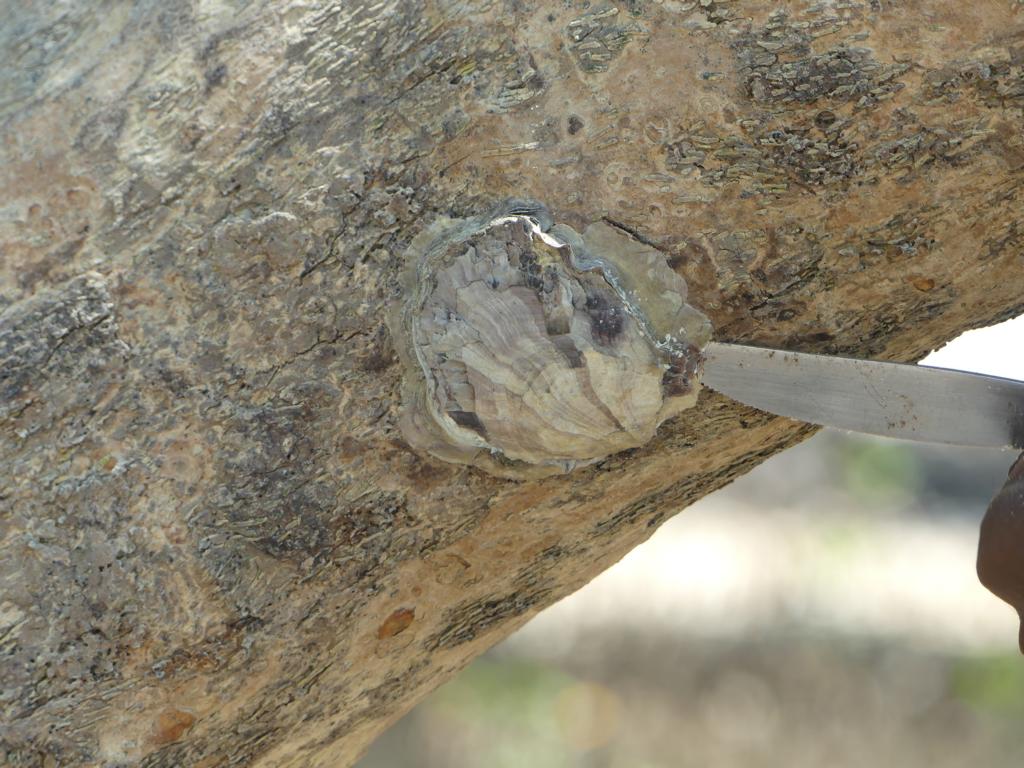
column 911, row 402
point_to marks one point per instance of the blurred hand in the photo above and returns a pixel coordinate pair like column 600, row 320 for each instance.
column 1001, row 545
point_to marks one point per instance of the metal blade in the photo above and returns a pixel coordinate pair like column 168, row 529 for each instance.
column 912, row 402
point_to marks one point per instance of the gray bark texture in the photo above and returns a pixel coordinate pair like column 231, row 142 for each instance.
column 217, row 547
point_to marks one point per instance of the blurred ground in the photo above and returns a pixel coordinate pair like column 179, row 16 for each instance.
column 823, row 610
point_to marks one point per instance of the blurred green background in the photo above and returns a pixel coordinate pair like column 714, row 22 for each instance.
column 821, row 611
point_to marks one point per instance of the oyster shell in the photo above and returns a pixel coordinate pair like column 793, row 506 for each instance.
column 530, row 349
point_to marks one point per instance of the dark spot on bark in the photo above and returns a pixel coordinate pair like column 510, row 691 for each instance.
column 380, row 354
column 216, row 75
column 575, row 124
column 377, row 361
column 824, row 119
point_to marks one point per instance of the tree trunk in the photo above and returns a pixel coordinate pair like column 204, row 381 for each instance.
column 218, row 548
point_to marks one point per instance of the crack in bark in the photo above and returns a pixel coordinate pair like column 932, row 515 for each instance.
column 634, row 233
column 63, row 338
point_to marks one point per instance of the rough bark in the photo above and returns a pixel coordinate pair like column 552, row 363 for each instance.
column 217, row 548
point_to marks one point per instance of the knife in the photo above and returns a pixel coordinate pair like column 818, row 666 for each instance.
column 911, row 402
